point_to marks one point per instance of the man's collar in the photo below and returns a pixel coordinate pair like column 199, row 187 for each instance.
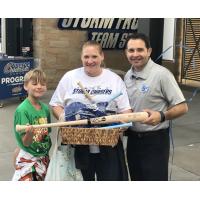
column 142, row 74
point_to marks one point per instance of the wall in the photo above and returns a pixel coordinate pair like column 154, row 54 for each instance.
column 59, row 51
column 175, row 65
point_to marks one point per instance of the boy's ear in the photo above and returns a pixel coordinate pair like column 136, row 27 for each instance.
column 25, row 87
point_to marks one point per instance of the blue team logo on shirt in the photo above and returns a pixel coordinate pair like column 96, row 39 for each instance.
column 144, row 88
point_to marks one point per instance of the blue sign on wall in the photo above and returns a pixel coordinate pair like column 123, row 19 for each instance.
column 12, row 73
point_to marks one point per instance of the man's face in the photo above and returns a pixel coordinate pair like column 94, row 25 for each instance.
column 137, row 53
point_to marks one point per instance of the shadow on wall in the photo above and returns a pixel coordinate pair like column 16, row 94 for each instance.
column 121, row 73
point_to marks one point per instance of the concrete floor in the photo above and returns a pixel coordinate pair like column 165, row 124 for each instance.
column 186, row 138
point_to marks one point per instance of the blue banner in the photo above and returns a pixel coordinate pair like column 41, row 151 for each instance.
column 12, row 73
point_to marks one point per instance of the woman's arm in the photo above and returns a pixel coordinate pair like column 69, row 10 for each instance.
column 58, row 112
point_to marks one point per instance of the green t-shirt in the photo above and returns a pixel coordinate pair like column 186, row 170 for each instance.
column 27, row 114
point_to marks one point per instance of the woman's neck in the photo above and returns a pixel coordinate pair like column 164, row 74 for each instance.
column 95, row 73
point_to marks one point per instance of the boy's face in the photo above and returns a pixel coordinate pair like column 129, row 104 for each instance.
column 35, row 89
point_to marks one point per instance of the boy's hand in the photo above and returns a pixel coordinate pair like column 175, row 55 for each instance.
column 28, row 137
column 29, row 129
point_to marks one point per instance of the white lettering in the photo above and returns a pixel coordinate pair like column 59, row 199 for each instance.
column 123, row 40
column 94, row 34
column 67, row 22
column 8, row 80
column 119, row 22
column 134, row 25
column 97, row 36
column 106, row 23
column 112, row 40
column 100, row 23
column 126, row 24
column 94, row 23
column 85, row 22
column 107, row 40
column 76, row 22
column 112, row 32
column 104, row 39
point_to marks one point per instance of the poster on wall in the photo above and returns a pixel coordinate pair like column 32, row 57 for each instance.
column 12, row 73
column 111, row 33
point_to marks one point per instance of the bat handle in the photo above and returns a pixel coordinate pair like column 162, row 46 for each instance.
column 20, row 128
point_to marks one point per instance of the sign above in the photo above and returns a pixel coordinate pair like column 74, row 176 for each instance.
column 111, row 33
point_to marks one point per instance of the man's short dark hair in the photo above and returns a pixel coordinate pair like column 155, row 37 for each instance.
column 140, row 36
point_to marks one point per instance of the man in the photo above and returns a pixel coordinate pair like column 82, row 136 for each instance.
column 151, row 88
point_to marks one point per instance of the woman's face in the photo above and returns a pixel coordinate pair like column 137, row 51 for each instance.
column 91, row 59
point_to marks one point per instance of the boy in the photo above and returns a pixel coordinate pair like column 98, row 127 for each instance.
column 34, row 144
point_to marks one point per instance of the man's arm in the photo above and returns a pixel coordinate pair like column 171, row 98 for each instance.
column 176, row 111
column 172, row 113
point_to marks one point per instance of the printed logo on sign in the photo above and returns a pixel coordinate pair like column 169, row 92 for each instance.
column 13, row 67
column 17, row 89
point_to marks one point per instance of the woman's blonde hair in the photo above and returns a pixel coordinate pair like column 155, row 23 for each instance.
column 36, row 75
column 93, row 43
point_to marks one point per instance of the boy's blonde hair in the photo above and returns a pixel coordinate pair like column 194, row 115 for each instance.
column 36, row 75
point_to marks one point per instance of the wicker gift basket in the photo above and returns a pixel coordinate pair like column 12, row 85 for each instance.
column 90, row 136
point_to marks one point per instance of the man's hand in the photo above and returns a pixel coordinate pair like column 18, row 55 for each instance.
column 154, row 117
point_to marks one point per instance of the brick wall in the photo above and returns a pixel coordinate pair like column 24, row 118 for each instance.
column 59, row 51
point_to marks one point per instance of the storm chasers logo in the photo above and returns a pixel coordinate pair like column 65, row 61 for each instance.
column 12, row 67
column 14, row 73
column 93, row 91
column 111, row 33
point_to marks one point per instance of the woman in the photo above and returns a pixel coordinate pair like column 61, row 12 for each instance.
column 107, row 163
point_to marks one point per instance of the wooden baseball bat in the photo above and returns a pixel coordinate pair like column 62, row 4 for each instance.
column 87, row 95
column 125, row 118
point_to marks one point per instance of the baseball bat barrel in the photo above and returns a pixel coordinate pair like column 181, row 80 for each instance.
column 124, row 118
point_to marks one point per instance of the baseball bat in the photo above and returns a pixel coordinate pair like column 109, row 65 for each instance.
column 87, row 95
column 125, row 118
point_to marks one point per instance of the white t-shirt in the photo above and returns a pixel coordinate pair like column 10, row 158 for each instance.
column 102, row 88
